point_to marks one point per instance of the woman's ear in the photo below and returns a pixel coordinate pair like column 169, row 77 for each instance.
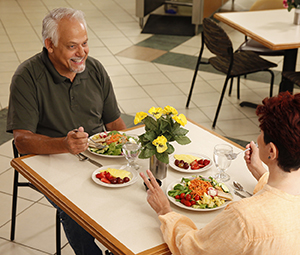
column 49, row 45
column 273, row 151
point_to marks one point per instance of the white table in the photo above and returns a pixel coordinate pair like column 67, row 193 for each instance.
column 272, row 28
column 120, row 218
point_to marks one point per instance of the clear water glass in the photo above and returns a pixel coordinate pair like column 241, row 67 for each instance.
column 222, row 162
column 131, row 150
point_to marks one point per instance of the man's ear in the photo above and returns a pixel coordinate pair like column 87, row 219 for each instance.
column 49, row 45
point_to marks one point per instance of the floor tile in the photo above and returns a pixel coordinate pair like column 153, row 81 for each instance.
column 35, row 228
column 6, row 205
column 141, row 53
column 12, row 248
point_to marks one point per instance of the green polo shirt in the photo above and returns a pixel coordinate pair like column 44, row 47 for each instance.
column 44, row 102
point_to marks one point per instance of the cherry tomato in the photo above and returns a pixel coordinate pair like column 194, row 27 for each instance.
column 182, row 195
column 188, row 197
column 177, row 197
column 187, row 203
column 197, row 197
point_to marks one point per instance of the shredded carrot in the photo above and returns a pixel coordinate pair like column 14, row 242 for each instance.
column 114, row 138
column 198, row 187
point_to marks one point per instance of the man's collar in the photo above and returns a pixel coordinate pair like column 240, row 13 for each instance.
column 57, row 78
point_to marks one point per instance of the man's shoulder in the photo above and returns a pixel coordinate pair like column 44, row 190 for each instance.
column 33, row 66
column 94, row 64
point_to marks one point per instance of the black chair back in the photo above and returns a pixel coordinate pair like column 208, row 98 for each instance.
column 216, row 39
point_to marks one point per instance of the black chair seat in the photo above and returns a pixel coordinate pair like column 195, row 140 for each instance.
column 294, row 77
column 243, row 63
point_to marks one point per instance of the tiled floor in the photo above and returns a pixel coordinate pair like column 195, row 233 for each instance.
column 143, row 71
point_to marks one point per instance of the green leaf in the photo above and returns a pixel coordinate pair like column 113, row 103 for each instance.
column 163, row 157
column 150, row 123
column 146, row 153
column 180, row 131
column 182, row 140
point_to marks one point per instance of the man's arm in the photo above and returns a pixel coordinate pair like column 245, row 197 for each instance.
column 28, row 142
column 118, row 124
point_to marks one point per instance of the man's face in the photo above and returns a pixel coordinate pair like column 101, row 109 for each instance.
column 71, row 52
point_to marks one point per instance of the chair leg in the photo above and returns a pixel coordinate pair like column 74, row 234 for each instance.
column 238, row 87
column 272, row 82
column 14, row 206
column 196, row 72
column 230, row 88
column 58, row 237
column 193, row 81
column 220, row 102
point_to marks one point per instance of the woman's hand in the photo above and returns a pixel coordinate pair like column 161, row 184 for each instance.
column 155, row 195
column 253, row 161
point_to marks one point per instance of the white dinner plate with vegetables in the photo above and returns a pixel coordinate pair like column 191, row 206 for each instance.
column 203, row 161
column 116, row 173
column 190, row 193
column 112, row 141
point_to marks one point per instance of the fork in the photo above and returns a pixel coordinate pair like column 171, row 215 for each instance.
column 233, row 155
column 97, row 145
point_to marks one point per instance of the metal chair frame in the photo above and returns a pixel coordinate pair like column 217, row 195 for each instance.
column 16, row 185
column 226, row 53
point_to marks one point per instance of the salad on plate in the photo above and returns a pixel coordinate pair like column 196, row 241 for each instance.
column 112, row 142
column 199, row 193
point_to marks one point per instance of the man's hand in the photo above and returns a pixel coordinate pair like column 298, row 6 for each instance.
column 76, row 141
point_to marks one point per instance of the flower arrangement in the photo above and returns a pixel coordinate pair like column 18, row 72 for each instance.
column 290, row 4
column 162, row 127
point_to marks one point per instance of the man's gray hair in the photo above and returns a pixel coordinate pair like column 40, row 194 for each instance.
column 50, row 22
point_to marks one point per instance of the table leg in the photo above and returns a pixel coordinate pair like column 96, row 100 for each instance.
column 289, row 64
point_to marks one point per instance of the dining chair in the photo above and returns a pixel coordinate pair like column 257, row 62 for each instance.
column 292, row 76
column 233, row 64
column 16, row 185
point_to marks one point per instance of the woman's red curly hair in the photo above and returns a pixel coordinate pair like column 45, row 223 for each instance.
column 279, row 118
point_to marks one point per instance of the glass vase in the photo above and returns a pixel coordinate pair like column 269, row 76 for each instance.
column 158, row 168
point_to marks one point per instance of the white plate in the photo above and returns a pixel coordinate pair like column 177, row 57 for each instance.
column 173, row 200
column 132, row 176
column 104, row 155
column 189, row 170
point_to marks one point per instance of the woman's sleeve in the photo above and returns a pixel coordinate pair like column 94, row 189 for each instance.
column 224, row 235
column 261, row 182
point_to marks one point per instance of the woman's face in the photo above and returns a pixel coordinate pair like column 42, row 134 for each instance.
column 263, row 148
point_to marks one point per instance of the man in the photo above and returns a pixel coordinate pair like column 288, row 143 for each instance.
column 58, row 98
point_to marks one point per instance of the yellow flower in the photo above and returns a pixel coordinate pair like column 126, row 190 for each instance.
column 181, row 119
column 170, row 110
column 161, row 144
column 156, row 112
column 139, row 117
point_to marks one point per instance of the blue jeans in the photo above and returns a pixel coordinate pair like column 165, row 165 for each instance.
column 82, row 242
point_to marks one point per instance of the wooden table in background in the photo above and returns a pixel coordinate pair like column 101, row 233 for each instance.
column 272, row 28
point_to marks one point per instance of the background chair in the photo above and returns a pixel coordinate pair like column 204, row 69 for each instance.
column 18, row 184
column 226, row 61
column 292, row 76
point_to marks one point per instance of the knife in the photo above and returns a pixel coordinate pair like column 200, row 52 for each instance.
column 82, row 157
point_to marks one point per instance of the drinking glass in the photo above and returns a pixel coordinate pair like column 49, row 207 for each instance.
column 131, row 150
column 222, row 162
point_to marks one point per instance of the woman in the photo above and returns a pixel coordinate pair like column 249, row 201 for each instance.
column 266, row 223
